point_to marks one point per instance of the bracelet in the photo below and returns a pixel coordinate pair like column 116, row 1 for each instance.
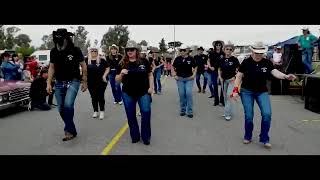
column 235, row 90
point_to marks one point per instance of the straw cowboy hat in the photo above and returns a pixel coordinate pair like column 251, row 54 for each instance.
column 114, row 46
column 132, row 44
column 259, row 47
column 305, row 29
column 229, row 45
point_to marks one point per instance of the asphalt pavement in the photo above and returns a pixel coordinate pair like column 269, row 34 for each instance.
column 294, row 130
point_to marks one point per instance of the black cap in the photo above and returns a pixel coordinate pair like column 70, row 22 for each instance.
column 200, row 48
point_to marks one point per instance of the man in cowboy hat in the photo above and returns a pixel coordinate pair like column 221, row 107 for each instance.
column 65, row 60
column 306, row 43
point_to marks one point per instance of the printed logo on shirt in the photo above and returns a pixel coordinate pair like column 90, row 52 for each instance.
column 264, row 69
column 142, row 67
column 70, row 57
column 221, row 56
column 230, row 63
column 189, row 62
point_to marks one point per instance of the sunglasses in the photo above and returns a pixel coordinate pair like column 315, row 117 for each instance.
column 94, row 51
column 130, row 49
column 181, row 50
column 228, row 49
column 218, row 45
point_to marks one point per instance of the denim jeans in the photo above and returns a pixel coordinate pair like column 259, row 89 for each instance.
column 157, row 80
column 115, row 86
column 307, row 60
column 263, row 101
column 185, row 94
column 205, row 80
column 228, row 86
column 213, row 86
column 66, row 93
column 145, row 110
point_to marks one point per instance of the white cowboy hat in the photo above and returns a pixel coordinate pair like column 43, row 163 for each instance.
column 183, row 47
column 305, row 28
column 114, row 46
column 259, row 47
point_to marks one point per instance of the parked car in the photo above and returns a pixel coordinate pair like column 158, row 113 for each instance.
column 14, row 93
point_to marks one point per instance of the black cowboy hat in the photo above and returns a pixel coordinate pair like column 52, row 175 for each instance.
column 200, row 48
column 62, row 32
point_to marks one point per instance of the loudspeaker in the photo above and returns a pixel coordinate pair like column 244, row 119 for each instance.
column 312, row 96
column 292, row 60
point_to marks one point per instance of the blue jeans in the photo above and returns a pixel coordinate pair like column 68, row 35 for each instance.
column 307, row 60
column 185, row 94
column 263, row 101
column 115, row 86
column 157, row 80
column 228, row 86
column 205, row 79
column 66, row 93
column 213, row 85
column 145, row 110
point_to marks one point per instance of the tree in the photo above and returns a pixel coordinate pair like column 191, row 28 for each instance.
column 11, row 31
column 47, row 42
column 143, row 43
column 2, row 37
column 22, row 40
column 87, row 45
column 25, row 51
column 80, row 38
column 163, row 46
column 95, row 42
column 118, row 35
column 177, row 44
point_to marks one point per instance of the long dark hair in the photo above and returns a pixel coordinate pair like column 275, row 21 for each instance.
column 70, row 43
column 215, row 46
column 125, row 59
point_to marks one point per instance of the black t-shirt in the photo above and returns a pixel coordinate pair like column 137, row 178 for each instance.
column 38, row 92
column 183, row 66
column 215, row 59
column 229, row 67
column 66, row 63
column 157, row 61
column 96, row 71
column 201, row 60
column 136, row 82
column 114, row 61
column 256, row 74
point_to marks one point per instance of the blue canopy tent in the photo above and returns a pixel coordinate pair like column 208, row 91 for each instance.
column 293, row 40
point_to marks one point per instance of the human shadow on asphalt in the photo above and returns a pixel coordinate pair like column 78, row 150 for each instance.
column 12, row 111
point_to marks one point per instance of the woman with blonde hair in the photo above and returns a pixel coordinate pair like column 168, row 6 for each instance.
column 98, row 70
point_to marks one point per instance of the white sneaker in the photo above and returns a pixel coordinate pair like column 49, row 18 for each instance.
column 120, row 102
column 95, row 115
column 101, row 116
column 115, row 103
column 223, row 115
column 227, row 118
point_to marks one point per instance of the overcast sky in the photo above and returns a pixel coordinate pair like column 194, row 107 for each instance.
column 201, row 35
